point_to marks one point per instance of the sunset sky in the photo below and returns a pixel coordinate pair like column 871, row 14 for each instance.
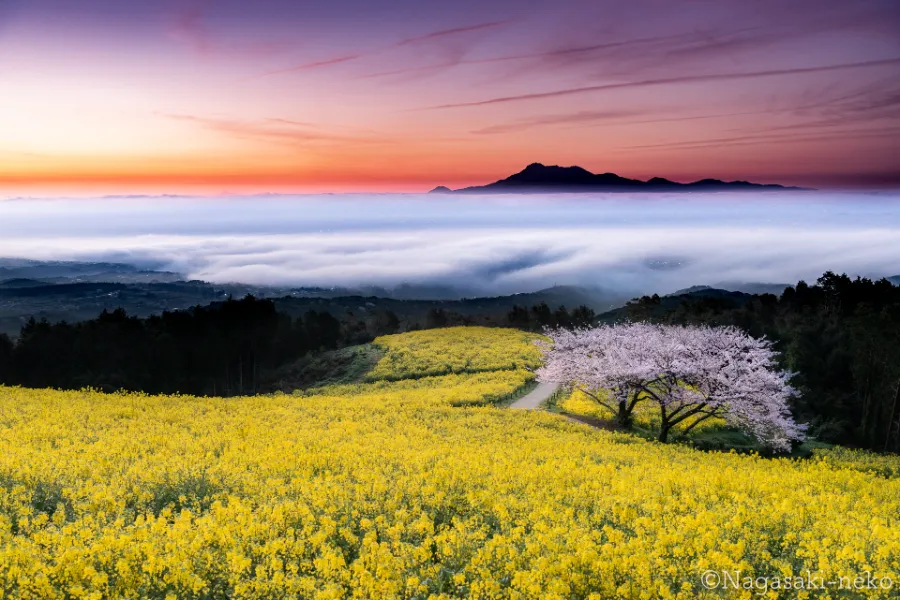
column 126, row 96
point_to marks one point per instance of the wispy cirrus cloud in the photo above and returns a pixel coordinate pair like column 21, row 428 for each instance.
column 579, row 118
column 869, row 102
column 281, row 131
column 312, row 65
column 552, row 54
column 409, row 41
column 622, row 52
column 681, row 79
column 606, row 118
column 442, row 33
column 189, row 26
column 767, row 138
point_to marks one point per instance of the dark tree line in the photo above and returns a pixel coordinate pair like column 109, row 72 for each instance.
column 222, row 349
column 228, row 348
column 535, row 318
column 541, row 316
column 842, row 338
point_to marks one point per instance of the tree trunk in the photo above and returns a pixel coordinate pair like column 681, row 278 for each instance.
column 894, row 415
column 623, row 417
column 866, row 397
column 664, row 433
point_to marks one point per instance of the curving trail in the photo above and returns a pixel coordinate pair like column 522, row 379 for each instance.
column 535, row 397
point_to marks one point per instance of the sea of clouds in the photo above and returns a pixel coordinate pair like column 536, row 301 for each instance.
column 486, row 244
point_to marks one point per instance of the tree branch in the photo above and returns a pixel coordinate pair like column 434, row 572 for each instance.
column 644, row 388
column 698, row 421
column 687, row 414
column 597, row 400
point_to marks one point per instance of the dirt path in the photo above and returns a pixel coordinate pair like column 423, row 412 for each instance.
column 535, row 397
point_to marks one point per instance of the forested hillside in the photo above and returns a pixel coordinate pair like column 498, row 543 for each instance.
column 841, row 336
column 231, row 348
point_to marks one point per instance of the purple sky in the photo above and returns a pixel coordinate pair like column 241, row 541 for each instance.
column 127, row 96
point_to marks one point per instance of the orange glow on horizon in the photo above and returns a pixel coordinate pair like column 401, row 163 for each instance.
column 215, row 97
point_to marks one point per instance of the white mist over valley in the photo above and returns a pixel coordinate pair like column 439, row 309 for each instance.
column 495, row 244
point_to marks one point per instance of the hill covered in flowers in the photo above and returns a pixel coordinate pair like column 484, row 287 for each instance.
column 413, row 483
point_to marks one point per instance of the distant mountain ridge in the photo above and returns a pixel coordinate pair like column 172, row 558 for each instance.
column 733, row 286
column 21, row 272
column 537, row 177
column 78, row 291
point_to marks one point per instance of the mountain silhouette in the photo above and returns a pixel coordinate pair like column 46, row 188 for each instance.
column 541, row 178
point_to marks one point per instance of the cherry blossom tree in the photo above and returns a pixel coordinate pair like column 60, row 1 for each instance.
column 690, row 373
column 609, row 364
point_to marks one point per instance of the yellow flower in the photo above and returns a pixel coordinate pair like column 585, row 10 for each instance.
column 411, row 485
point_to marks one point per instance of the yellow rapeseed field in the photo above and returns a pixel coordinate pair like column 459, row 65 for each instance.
column 454, row 350
column 410, row 489
column 646, row 414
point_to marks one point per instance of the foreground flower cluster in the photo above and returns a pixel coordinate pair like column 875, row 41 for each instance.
column 406, row 490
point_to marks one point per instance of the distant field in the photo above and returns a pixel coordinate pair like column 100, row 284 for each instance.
column 454, row 350
column 408, row 483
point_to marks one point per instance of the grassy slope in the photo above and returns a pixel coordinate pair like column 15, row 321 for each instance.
column 346, row 365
